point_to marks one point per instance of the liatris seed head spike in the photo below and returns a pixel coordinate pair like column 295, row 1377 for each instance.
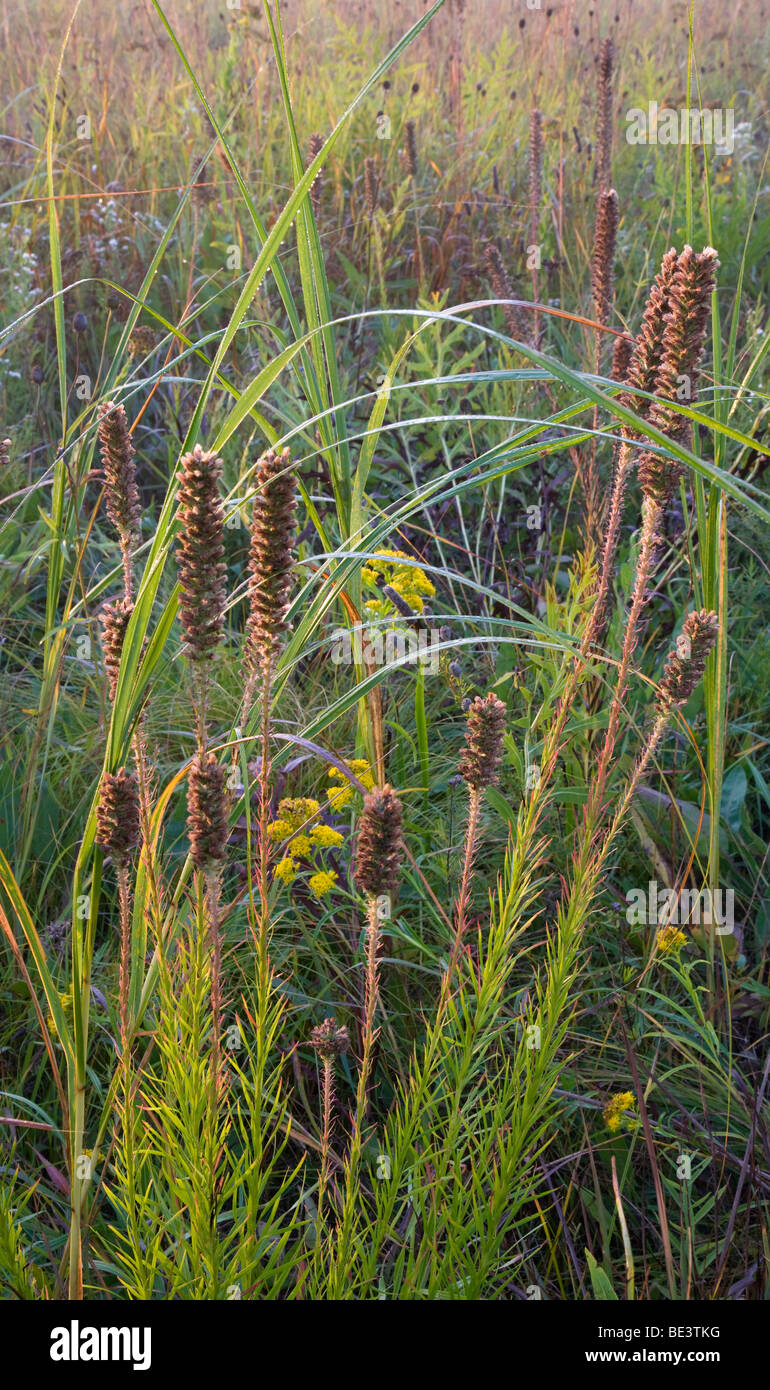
column 206, row 810
column 201, row 551
column 117, row 814
column 117, row 453
column 503, row 289
column 686, row 321
column 621, row 357
column 410, row 148
column 330, row 1041
column 602, row 263
column 379, row 846
column 535, row 169
column 370, row 184
column 645, row 358
column 683, row 338
column 685, row 665
column 314, row 148
column 114, row 619
column 271, row 558
column 604, row 114
column 482, row 753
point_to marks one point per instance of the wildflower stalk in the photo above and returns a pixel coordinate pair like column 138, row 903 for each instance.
column 202, row 606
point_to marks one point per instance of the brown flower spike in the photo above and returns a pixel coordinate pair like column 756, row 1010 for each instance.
column 683, row 338
column 645, row 358
column 685, row 666
column 117, row 453
column 201, row 551
column 605, row 236
column 380, row 846
column 114, row 619
column 206, row 811
column 271, row 558
column 328, row 1040
column 117, row 814
column 483, row 751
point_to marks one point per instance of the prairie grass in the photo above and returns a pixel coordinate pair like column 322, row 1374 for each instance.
column 322, row 969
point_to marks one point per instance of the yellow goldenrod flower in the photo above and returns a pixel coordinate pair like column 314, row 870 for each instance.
column 408, row 580
column 322, row 882
column 286, row 870
column 298, row 812
column 301, row 844
column 613, row 1112
column 279, row 830
column 326, row 837
column 340, row 796
column 670, row 938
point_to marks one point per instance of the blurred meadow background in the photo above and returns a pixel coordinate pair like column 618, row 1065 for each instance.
column 443, row 651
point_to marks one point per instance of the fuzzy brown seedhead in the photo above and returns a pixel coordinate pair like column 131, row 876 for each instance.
column 200, row 551
column 330, row 1041
column 621, row 357
column 645, row 358
column 271, row 558
column 117, row 454
column 114, row 619
column 686, row 321
column 206, row 811
column 535, row 169
column 371, row 184
column 602, row 263
column 483, row 750
column 5, row 453
column 503, row 289
column 604, row 114
column 379, row 847
column 117, row 814
column 410, row 148
column 685, row 665
column 314, row 148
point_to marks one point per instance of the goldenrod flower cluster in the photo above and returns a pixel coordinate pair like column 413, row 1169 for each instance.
column 301, row 832
column 407, row 580
column 613, row 1112
column 670, row 938
column 343, row 795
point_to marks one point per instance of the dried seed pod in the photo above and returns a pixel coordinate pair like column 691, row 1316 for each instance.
column 206, row 811
column 330, row 1041
column 5, row 453
column 114, row 619
column 201, row 551
column 379, row 846
column 117, row 814
column 117, row 454
column 271, row 558
column 602, row 263
column 685, row 665
column 482, row 753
